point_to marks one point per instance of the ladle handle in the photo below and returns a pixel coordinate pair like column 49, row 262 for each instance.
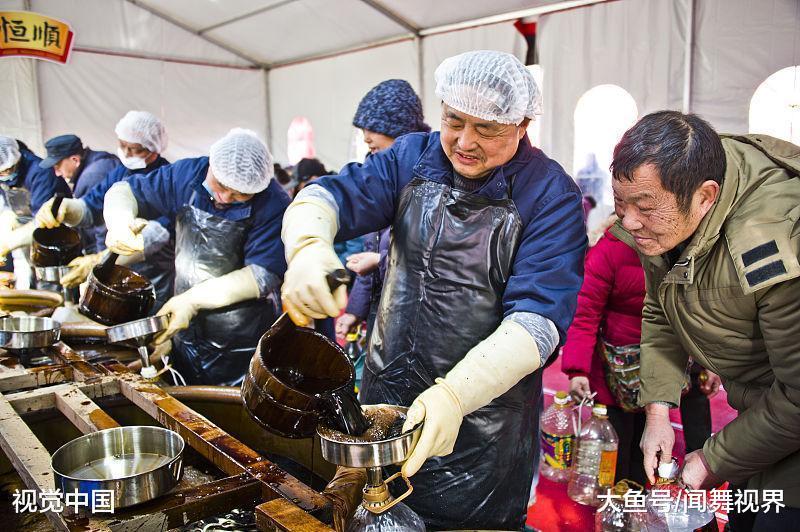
column 107, row 264
column 57, row 199
column 337, row 278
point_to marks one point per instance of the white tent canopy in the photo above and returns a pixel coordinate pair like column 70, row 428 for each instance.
column 205, row 66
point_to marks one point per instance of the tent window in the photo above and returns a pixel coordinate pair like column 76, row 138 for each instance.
column 775, row 106
column 300, row 140
column 535, row 126
column 602, row 115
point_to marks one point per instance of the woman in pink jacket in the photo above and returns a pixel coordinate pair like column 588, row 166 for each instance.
column 602, row 353
column 609, row 321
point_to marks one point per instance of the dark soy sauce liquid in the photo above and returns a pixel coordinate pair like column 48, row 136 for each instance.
column 342, row 408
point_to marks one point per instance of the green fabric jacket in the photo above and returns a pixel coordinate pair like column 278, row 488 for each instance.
column 732, row 302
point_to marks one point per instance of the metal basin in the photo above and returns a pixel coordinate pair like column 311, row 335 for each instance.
column 371, row 454
column 135, row 463
column 26, row 332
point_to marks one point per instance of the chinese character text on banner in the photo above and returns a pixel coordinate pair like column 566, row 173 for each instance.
column 27, row 34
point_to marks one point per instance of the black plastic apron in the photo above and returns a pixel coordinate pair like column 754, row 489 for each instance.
column 19, row 201
column 450, row 259
column 218, row 345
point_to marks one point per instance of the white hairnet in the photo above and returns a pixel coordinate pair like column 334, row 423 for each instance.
column 241, row 161
column 141, row 127
column 9, row 152
column 490, row 85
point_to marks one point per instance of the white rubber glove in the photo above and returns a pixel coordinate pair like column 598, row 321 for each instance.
column 70, row 212
column 486, row 372
column 119, row 210
column 81, row 267
column 309, row 226
column 18, row 238
column 8, row 222
column 238, row 285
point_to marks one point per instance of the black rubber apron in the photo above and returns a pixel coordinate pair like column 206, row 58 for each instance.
column 450, row 259
column 218, row 345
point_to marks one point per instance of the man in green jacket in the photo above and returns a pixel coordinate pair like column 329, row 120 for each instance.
column 716, row 224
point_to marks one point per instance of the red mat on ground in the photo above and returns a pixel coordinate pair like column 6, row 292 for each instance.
column 554, row 511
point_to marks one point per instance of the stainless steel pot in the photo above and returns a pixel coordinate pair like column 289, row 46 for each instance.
column 136, row 463
column 371, row 454
column 26, row 332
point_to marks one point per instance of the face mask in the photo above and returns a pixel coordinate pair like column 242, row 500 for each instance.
column 132, row 163
column 10, row 177
column 219, row 203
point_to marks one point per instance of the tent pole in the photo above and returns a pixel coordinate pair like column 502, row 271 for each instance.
column 420, row 69
column 268, row 114
column 688, row 58
column 35, row 83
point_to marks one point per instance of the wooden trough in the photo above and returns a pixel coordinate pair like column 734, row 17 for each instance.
column 73, row 387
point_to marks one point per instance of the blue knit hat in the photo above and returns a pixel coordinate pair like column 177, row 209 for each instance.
column 391, row 108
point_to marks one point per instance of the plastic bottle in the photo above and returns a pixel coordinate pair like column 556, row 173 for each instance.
column 596, row 460
column 676, row 515
column 558, row 439
column 399, row 518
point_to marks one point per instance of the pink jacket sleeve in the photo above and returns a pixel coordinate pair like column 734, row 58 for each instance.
column 593, row 298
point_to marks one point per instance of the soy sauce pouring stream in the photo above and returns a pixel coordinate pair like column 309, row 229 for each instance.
column 343, row 411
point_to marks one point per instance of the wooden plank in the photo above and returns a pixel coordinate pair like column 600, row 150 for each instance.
column 83, row 412
column 82, row 370
column 180, row 508
column 34, row 377
column 44, row 398
column 222, row 449
column 280, row 514
column 23, row 448
column 28, row 456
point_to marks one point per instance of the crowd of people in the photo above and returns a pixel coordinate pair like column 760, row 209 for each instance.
column 468, row 251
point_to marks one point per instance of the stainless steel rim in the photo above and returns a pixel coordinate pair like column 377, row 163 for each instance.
column 28, row 332
column 51, row 273
column 371, row 454
column 90, row 442
column 137, row 329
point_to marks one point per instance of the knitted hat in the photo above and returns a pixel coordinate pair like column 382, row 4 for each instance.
column 391, row 108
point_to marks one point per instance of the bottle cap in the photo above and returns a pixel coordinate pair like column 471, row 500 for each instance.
column 149, row 372
column 561, row 398
column 668, row 470
column 599, row 410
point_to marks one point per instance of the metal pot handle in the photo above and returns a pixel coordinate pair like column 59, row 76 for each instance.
column 398, row 499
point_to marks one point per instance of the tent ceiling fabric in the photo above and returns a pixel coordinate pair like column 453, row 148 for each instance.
column 277, row 31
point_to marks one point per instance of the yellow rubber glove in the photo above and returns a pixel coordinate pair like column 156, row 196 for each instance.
column 238, row 285
column 486, row 372
column 81, row 267
column 70, row 212
column 309, row 226
column 119, row 210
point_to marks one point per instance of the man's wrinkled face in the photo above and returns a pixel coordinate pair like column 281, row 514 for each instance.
column 67, row 167
column 651, row 214
column 475, row 146
column 376, row 141
column 224, row 196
